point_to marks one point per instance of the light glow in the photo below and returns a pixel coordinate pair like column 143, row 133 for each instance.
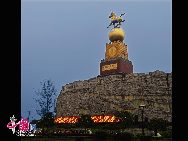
column 95, row 118
column 104, row 118
column 68, row 119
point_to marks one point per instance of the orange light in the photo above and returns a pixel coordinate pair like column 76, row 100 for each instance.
column 69, row 119
column 96, row 119
column 105, row 118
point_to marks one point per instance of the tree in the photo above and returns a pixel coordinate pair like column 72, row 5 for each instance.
column 34, row 121
column 46, row 121
column 157, row 124
column 85, row 121
column 136, row 120
column 45, row 97
column 126, row 118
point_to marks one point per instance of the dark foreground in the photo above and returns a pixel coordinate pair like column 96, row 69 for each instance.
column 88, row 138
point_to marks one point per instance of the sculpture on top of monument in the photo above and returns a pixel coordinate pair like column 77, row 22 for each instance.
column 116, row 20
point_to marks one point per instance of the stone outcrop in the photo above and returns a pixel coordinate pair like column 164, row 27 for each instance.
column 108, row 94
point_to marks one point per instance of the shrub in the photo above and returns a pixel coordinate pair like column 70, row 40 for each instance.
column 166, row 134
column 125, row 135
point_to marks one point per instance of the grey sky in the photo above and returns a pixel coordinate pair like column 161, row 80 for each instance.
column 60, row 38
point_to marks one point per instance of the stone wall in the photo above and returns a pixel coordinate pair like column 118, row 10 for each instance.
column 108, row 94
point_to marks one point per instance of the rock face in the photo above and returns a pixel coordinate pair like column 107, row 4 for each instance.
column 108, row 94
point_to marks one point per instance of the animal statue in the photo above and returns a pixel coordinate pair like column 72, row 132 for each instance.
column 115, row 20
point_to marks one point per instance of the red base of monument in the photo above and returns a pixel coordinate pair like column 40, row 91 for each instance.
column 116, row 67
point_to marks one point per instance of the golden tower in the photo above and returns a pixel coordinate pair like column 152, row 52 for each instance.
column 116, row 55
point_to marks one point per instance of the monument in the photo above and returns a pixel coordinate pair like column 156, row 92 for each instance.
column 117, row 88
column 116, row 56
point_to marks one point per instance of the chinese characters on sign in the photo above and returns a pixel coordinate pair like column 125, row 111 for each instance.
column 25, row 129
column 109, row 67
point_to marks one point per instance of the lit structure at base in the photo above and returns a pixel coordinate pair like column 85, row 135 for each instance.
column 95, row 118
column 104, row 118
column 68, row 119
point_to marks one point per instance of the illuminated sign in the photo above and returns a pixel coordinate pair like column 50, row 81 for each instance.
column 96, row 119
column 109, row 67
column 68, row 119
column 104, row 118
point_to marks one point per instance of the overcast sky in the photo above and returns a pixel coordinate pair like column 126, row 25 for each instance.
column 65, row 40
